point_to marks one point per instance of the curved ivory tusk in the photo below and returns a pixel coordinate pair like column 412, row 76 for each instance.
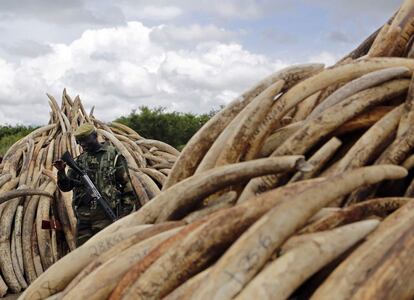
column 100, row 283
column 392, row 39
column 217, row 230
column 319, row 159
column 228, row 147
column 314, row 130
column 126, row 129
column 160, row 145
column 324, row 79
column 378, row 207
column 187, row 289
column 201, row 142
column 364, row 82
column 271, row 230
column 6, row 223
column 365, row 147
column 126, row 286
column 138, row 237
column 192, row 189
column 43, row 236
column 55, row 280
column 282, row 276
column 304, row 108
column 21, row 193
column 28, row 220
column 16, row 247
column 154, row 174
column 279, row 137
column 221, row 177
column 224, row 201
column 395, row 154
column 31, row 135
column 366, row 259
column 392, row 277
column 55, row 109
column 365, row 120
column 4, row 178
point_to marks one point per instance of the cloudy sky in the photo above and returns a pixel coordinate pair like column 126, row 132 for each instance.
column 188, row 56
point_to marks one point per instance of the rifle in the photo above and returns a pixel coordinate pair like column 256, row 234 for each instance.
column 94, row 193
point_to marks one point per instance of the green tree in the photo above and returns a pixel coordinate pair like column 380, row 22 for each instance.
column 11, row 134
column 174, row 128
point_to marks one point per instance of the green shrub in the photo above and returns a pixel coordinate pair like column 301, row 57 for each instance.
column 11, row 134
column 173, row 128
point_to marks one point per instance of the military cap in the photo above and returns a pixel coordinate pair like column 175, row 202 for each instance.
column 84, row 131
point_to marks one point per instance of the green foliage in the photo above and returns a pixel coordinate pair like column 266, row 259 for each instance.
column 9, row 135
column 173, row 128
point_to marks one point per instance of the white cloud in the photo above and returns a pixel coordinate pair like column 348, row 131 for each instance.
column 324, row 57
column 159, row 13
column 370, row 6
column 226, row 9
column 239, row 9
column 180, row 37
column 121, row 68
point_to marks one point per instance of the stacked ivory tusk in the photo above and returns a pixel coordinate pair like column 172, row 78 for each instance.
column 28, row 192
column 301, row 187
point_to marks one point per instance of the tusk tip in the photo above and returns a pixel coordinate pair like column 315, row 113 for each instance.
column 303, row 166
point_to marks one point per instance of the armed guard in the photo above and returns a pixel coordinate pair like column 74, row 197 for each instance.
column 108, row 171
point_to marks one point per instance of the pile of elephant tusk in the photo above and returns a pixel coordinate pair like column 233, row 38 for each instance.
column 29, row 195
column 301, row 187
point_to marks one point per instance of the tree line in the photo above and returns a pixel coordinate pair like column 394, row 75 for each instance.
column 11, row 134
column 174, row 128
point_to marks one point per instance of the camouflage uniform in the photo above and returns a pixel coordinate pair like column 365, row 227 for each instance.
column 108, row 171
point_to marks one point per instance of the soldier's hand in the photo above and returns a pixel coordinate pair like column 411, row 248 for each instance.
column 59, row 164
